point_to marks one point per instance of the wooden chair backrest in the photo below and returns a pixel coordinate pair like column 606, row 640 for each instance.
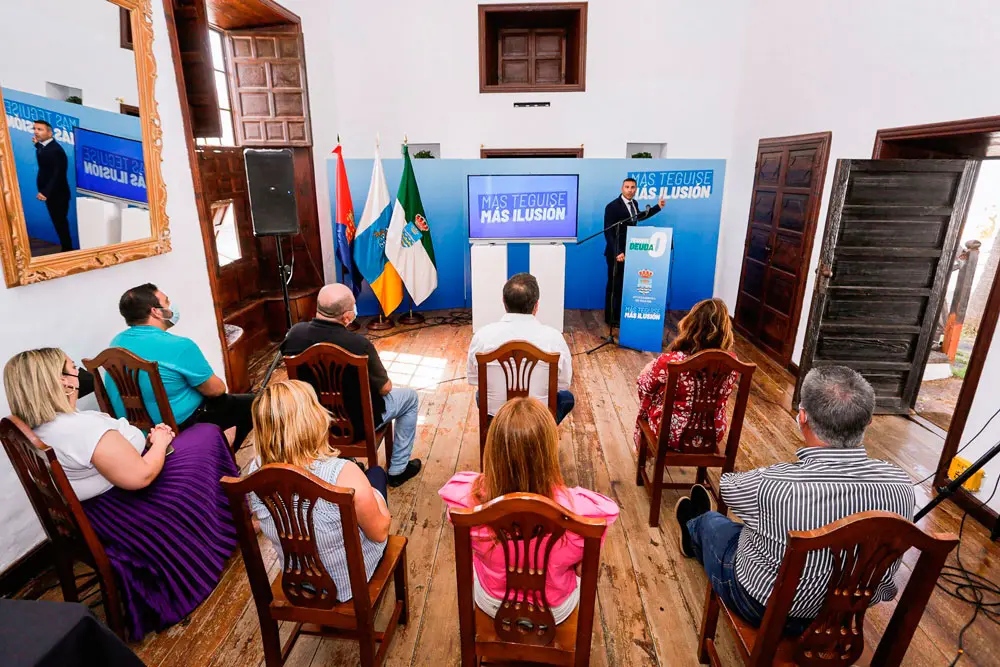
column 125, row 369
column 709, row 370
column 862, row 547
column 51, row 495
column 527, row 526
column 290, row 494
column 517, row 359
column 330, row 369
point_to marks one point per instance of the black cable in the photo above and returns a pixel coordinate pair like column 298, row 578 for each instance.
column 970, row 587
column 979, row 433
column 456, row 318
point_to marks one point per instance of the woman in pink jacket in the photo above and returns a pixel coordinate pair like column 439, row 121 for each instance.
column 522, row 456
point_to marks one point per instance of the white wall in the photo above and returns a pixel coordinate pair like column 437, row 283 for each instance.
column 665, row 71
column 80, row 313
column 95, row 63
column 852, row 68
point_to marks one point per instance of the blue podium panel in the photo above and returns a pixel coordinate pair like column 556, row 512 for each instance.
column 644, row 289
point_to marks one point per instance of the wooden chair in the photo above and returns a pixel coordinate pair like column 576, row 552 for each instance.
column 330, row 369
column 63, row 518
column 863, row 546
column 524, row 628
column 124, row 368
column 698, row 445
column 303, row 592
column 518, row 359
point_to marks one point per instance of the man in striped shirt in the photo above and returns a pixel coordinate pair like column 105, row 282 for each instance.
column 832, row 479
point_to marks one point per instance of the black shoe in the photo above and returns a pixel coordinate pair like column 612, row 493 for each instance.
column 701, row 500
column 412, row 468
column 684, row 511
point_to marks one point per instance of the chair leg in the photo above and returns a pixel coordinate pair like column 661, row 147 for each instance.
column 272, row 642
column 641, row 460
column 402, row 592
column 366, row 640
column 655, row 500
column 709, row 623
column 388, row 447
column 702, row 476
column 67, row 579
column 113, row 609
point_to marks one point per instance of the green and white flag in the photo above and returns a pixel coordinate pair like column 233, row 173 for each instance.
column 408, row 240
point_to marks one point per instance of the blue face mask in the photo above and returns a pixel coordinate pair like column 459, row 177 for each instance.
column 175, row 315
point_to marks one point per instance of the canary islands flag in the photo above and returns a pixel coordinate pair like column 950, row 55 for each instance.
column 369, row 243
column 408, row 243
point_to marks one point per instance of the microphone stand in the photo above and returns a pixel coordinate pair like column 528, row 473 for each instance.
column 610, row 338
column 944, row 492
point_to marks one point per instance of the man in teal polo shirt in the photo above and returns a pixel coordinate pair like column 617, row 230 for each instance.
column 196, row 394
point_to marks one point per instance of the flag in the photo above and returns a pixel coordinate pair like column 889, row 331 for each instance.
column 369, row 243
column 344, row 225
column 408, row 242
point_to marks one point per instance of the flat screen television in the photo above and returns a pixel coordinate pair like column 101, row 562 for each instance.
column 523, row 207
column 110, row 166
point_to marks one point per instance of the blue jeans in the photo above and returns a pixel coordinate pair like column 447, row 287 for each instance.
column 401, row 406
column 715, row 538
column 564, row 404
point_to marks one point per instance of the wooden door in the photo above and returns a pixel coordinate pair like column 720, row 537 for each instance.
column 891, row 234
column 190, row 20
column 267, row 83
column 788, row 189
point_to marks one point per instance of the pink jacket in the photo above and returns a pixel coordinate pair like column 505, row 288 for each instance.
column 488, row 560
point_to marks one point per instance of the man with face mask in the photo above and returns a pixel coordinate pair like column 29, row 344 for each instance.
column 335, row 310
column 196, row 394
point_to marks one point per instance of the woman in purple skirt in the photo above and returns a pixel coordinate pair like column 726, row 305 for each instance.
column 164, row 521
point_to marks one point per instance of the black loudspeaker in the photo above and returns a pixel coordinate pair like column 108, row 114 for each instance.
column 271, row 181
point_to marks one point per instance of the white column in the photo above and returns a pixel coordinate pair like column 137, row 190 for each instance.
column 547, row 262
column 98, row 222
column 489, row 273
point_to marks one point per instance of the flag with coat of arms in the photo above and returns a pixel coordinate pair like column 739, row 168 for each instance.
column 345, row 229
column 370, row 243
column 408, row 242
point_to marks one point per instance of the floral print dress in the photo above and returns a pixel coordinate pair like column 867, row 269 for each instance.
column 652, row 383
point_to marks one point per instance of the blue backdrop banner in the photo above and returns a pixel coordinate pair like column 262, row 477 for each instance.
column 22, row 109
column 109, row 165
column 693, row 190
column 644, row 288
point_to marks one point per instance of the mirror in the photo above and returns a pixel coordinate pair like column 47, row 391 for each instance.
column 227, row 240
column 80, row 145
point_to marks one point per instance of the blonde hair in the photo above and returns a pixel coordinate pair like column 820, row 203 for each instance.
column 706, row 327
column 290, row 425
column 522, row 452
column 33, row 382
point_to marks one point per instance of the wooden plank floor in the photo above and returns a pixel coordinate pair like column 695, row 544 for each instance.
column 650, row 600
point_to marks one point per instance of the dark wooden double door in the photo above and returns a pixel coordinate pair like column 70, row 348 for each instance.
column 788, row 187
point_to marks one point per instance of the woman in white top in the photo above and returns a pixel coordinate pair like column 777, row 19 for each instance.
column 164, row 522
column 291, row 426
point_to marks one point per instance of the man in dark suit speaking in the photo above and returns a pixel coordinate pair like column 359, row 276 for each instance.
column 52, row 184
column 620, row 208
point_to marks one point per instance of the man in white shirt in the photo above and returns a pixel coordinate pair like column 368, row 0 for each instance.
column 520, row 300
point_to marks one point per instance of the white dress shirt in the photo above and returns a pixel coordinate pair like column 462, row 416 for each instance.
column 514, row 326
column 629, row 203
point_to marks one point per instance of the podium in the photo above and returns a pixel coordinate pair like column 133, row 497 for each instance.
column 546, row 261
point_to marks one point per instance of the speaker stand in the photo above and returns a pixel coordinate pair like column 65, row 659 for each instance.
column 284, row 283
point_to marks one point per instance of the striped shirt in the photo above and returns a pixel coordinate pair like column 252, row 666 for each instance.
column 328, row 531
column 826, row 484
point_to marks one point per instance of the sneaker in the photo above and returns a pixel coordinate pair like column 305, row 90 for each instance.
column 684, row 511
column 411, row 470
column 702, row 500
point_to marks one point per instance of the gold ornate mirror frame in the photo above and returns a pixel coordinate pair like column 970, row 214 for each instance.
column 19, row 267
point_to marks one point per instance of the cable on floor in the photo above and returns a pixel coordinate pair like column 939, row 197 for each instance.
column 978, row 433
column 456, row 318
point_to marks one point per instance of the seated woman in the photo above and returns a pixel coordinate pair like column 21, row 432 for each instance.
column 292, row 427
column 164, row 522
column 522, row 455
column 705, row 327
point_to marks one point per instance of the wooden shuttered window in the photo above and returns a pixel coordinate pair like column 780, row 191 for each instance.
column 529, row 57
column 267, row 83
column 191, row 24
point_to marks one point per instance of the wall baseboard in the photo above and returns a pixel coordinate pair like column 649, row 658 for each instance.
column 27, row 567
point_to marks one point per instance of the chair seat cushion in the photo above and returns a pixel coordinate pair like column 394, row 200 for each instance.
column 343, row 610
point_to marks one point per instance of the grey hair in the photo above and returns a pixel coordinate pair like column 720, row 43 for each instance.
column 838, row 403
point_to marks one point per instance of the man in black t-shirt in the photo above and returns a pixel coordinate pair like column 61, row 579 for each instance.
column 335, row 309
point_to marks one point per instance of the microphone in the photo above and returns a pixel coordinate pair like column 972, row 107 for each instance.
column 648, row 207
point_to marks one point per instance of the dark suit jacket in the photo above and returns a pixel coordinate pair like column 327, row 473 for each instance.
column 52, row 165
column 613, row 212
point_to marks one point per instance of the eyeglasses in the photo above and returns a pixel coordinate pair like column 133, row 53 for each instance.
column 72, row 375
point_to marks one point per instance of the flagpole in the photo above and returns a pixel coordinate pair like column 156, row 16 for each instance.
column 412, row 317
column 382, row 323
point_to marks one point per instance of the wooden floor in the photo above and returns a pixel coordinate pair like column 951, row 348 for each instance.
column 650, row 599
